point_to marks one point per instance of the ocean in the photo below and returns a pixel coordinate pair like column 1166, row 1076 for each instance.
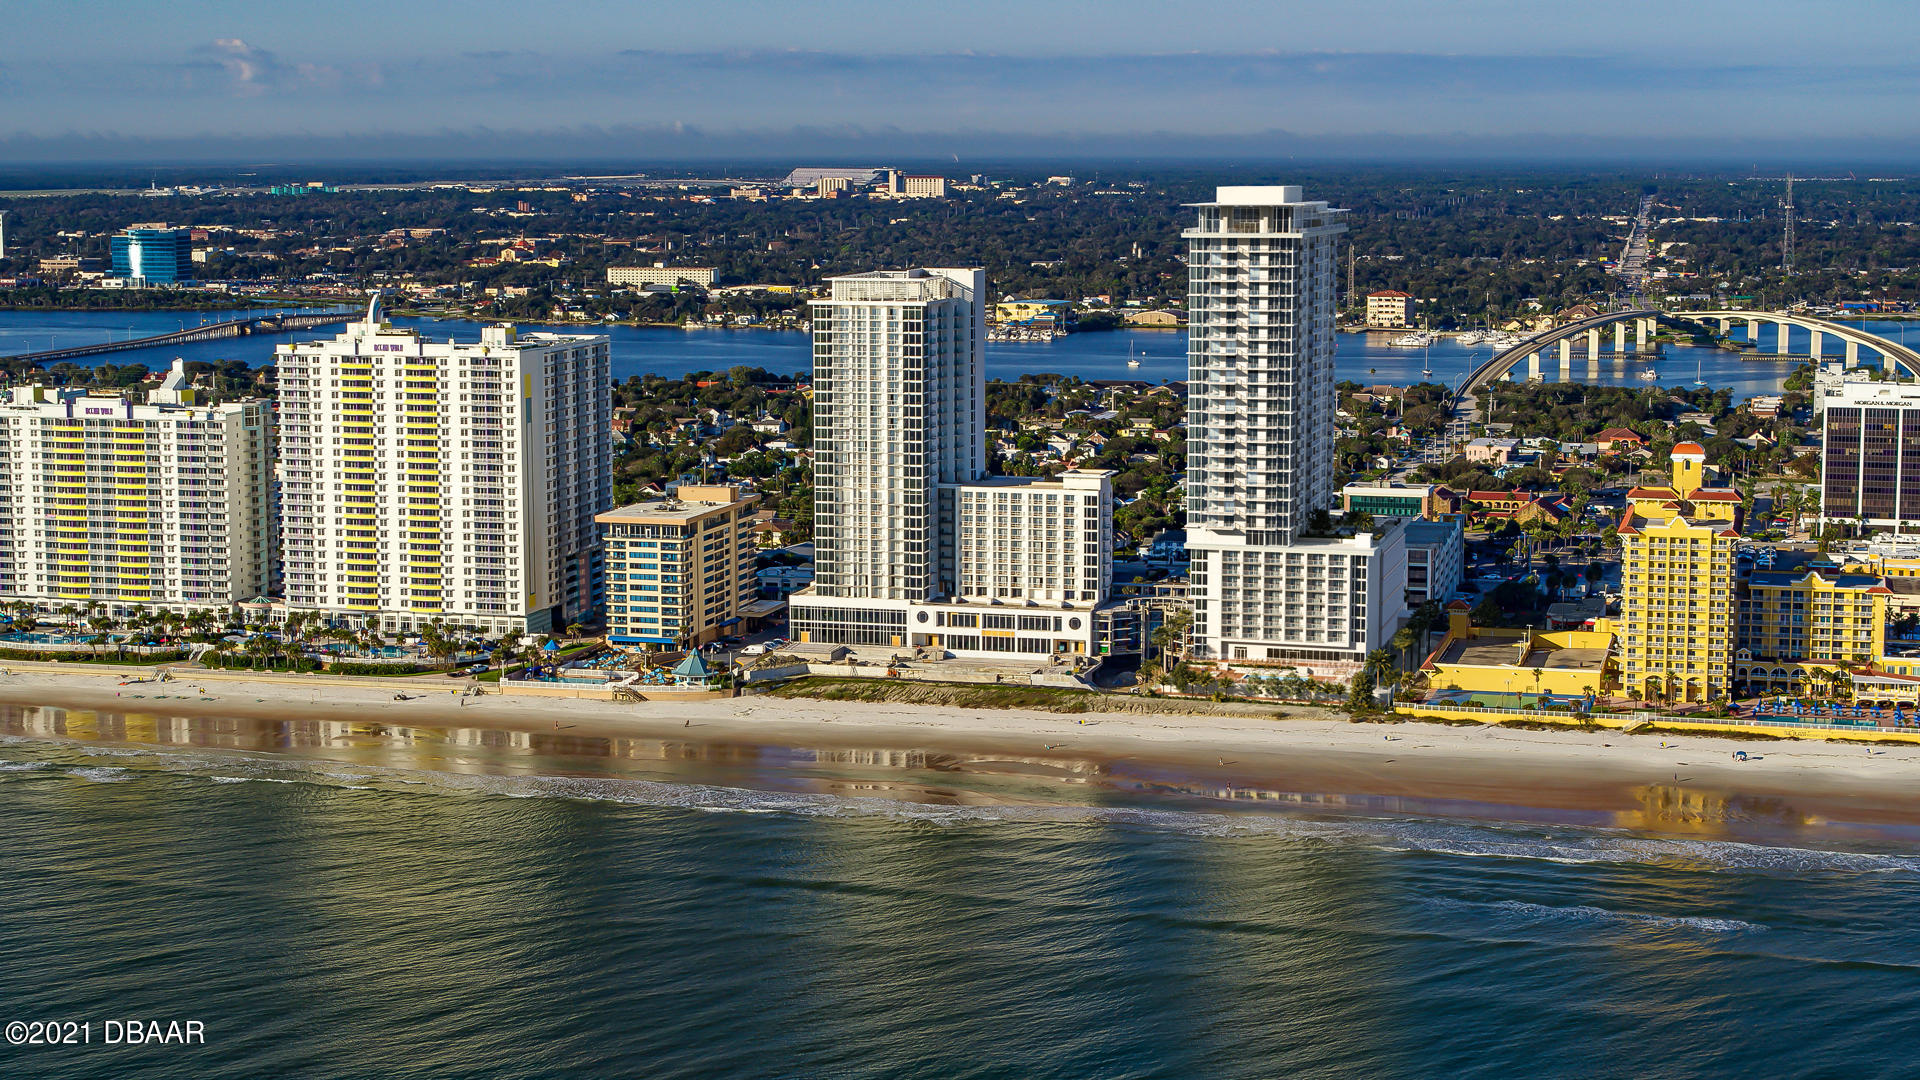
column 736, row 911
column 1363, row 358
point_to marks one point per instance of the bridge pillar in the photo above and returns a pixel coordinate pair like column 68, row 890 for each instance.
column 1593, row 344
column 1853, row 354
column 1753, row 332
column 1726, row 327
column 1813, row 348
column 1533, row 366
column 1780, row 345
column 1620, row 337
column 1643, row 328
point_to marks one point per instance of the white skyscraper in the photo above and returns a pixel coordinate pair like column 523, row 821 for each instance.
column 899, row 407
column 426, row 480
column 915, row 547
column 162, row 505
column 1270, row 583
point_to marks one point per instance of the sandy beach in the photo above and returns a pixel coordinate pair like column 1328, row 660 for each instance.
column 1691, row 780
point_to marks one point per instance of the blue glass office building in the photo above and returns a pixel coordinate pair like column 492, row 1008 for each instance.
column 155, row 256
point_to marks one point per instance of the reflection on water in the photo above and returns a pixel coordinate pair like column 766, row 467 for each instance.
column 933, row 777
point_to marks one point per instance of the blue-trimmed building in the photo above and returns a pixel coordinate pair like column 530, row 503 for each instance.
column 153, row 255
column 679, row 569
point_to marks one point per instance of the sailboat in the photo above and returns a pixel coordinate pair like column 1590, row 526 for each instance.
column 1426, row 364
column 1697, row 380
column 1132, row 360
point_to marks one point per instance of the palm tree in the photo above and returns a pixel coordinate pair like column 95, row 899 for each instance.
column 1171, row 637
column 1403, row 641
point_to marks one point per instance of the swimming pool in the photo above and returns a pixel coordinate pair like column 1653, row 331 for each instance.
column 37, row 638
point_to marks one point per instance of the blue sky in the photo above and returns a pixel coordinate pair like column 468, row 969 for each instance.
column 739, row 73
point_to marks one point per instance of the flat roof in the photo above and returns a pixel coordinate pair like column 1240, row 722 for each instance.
column 1500, row 652
column 666, row 511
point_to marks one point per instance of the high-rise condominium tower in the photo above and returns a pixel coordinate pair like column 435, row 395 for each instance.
column 899, row 401
column 108, row 502
column 1271, row 583
column 425, row 481
column 915, row 547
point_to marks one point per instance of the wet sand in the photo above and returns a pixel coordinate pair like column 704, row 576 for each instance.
column 1689, row 784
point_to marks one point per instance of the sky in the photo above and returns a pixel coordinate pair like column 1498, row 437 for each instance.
column 629, row 78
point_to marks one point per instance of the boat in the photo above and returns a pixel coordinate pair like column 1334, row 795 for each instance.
column 1697, row 380
column 1419, row 339
column 1647, row 374
column 1132, row 360
column 1469, row 337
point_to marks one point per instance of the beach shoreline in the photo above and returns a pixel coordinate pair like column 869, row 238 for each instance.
column 1684, row 783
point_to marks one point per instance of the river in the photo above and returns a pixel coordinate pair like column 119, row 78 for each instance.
column 1363, row 358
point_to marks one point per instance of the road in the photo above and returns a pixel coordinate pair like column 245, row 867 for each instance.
column 1633, row 260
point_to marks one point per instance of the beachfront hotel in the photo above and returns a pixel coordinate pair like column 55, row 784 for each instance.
column 1271, row 584
column 427, row 481
column 680, row 569
column 915, row 546
column 162, row 505
column 1678, row 616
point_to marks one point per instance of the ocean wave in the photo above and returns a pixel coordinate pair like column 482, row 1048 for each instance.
column 1411, row 836
column 250, row 780
column 102, row 774
column 21, row 766
column 1588, row 914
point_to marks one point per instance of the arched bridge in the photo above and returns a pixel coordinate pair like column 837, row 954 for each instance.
column 264, row 324
column 1892, row 354
column 1562, row 339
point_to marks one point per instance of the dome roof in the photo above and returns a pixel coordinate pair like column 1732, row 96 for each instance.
column 1689, row 448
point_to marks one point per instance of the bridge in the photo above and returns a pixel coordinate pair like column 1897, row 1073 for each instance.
column 265, row 324
column 1893, row 355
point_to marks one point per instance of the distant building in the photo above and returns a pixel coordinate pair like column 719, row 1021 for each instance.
column 1032, row 312
column 1871, row 468
column 1398, row 500
column 831, row 185
column 658, row 274
column 808, row 176
column 66, row 264
column 153, row 255
column 1436, row 559
column 1389, row 307
column 680, row 569
column 916, row 187
column 1169, row 320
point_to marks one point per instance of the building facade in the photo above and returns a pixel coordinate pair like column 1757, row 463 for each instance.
column 679, row 570
column 1270, row 582
column 427, row 481
column 1677, row 615
column 1870, row 469
column 1797, row 625
column 153, row 255
column 701, row 276
column 163, row 505
column 1436, row 559
column 915, row 547
column 1389, row 307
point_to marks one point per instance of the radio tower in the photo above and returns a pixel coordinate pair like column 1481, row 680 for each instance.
column 1786, row 241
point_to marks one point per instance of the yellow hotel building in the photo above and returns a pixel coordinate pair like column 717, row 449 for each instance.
column 163, row 505
column 1677, row 622
column 1798, row 625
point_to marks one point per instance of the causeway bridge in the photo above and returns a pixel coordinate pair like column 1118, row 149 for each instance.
column 262, row 324
column 1585, row 335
